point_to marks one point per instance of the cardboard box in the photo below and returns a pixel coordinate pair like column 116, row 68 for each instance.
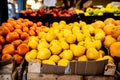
column 87, row 67
column 110, row 69
column 74, row 68
column 37, row 67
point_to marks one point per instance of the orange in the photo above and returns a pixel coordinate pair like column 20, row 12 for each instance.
column 98, row 24
column 108, row 41
column 115, row 49
column 116, row 31
column 108, row 28
column 109, row 21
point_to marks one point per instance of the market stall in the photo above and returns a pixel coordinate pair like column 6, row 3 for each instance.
column 58, row 43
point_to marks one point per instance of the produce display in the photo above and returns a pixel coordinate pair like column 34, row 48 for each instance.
column 76, row 41
column 14, row 37
column 100, row 11
column 55, row 12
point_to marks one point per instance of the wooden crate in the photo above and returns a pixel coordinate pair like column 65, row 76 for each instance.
column 8, row 71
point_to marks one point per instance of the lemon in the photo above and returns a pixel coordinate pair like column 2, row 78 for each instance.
column 55, row 58
column 71, row 38
column 80, row 37
column 101, row 53
column 110, row 59
column 99, row 36
column 56, row 49
column 41, row 35
column 63, row 62
column 82, row 58
column 34, row 38
column 64, row 45
column 62, row 22
column 99, row 59
column 55, row 24
column 43, row 53
column 43, row 44
column 77, row 50
column 98, row 44
column 92, row 53
column 54, row 42
column 67, row 54
column 31, row 55
column 48, row 62
column 33, row 44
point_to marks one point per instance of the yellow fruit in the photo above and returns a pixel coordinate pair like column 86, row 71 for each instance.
column 33, row 44
column 66, row 32
column 59, row 35
column 50, row 36
column 110, row 59
column 76, row 29
column 43, row 44
column 45, row 29
column 43, row 53
column 55, row 58
column 108, row 41
column 55, row 49
column 71, row 38
column 63, row 62
column 86, row 32
column 31, row 55
column 82, row 23
column 99, row 36
column 64, row 45
column 77, row 50
column 99, row 59
column 41, row 35
column 88, row 39
column 55, row 24
column 82, row 58
column 56, row 42
column 80, row 37
column 48, row 62
column 67, row 54
column 62, row 22
column 101, row 53
column 33, row 38
column 92, row 53
column 98, row 44
column 91, row 29
column 89, row 45
column 81, row 43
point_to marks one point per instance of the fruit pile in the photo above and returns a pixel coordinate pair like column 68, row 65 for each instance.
column 100, row 11
column 68, row 42
column 14, row 37
column 30, row 12
column 112, row 39
column 55, row 12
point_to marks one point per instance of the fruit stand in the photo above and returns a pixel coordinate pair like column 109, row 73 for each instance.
column 61, row 45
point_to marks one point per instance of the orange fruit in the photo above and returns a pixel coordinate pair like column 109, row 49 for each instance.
column 116, row 31
column 108, row 41
column 108, row 28
column 115, row 49
column 109, row 21
column 98, row 24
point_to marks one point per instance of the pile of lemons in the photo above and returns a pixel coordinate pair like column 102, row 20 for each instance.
column 62, row 43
